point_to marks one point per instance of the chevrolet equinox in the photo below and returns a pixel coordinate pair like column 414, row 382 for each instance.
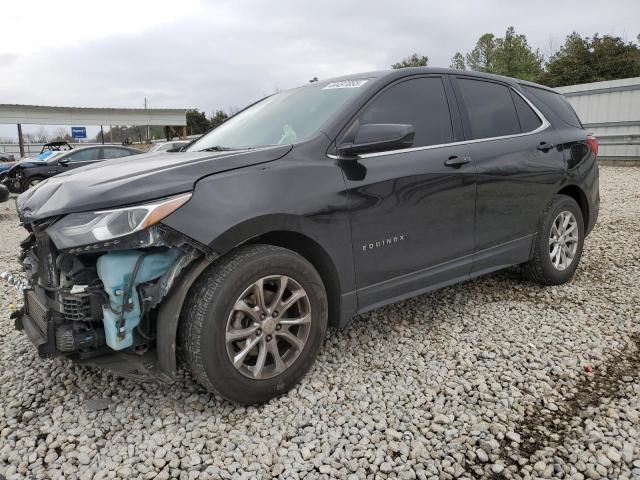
column 304, row 209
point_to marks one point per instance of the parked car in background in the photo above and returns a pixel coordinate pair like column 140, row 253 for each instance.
column 4, row 193
column 26, row 174
column 307, row 208
column 168, row 146
column 7, row 160
column 6, row 166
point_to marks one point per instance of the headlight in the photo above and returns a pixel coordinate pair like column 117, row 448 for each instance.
column 89, row 227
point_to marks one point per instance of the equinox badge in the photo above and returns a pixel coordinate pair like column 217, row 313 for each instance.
column 382, row 243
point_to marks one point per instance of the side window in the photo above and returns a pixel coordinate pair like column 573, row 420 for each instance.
column 557, row 103
column 490, row 109
column 420, row 102
column 529, row 120
column 84, row 155
column 114, row 152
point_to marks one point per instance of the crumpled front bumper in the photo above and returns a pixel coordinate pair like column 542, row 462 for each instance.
column 62, row 317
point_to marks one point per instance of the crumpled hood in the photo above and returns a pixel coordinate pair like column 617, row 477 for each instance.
column 131, row 180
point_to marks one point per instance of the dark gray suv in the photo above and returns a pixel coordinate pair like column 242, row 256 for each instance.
column 299, row 212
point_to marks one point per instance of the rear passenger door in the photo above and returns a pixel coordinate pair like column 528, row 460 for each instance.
column 518, row 165
column 411, row 213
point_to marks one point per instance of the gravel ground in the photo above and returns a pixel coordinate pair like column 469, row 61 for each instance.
column 484, row 379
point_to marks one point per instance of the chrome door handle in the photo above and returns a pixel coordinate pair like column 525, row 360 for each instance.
column 456, row 162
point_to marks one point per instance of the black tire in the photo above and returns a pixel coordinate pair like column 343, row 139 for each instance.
column 210, row 302
column 540, row 268
column 27, row 183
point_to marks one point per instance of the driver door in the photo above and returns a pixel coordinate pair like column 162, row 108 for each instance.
column 412, row 209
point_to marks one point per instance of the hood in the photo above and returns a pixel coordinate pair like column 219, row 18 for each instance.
column 133, row 179
column 28, row 164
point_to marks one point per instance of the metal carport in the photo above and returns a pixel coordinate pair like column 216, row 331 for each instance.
column 44, row 115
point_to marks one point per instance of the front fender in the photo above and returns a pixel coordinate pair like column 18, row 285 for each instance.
column 169, row 316
column 300, row 195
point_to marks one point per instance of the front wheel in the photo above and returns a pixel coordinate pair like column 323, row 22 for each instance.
column 254, row 323
column 558, row 245
column 31, row 182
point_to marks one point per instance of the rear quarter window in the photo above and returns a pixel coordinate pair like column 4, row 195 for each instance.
column 490, row 109
column 554, row 102
column 529, row 120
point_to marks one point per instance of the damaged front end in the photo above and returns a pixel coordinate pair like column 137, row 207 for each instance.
column 95, row 283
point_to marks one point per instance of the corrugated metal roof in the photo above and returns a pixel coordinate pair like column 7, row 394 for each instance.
column 46, row 115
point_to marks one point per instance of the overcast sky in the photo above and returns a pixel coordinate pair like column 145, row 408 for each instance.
column 222, row 54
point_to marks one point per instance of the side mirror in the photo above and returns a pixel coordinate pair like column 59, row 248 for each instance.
column 378, row 137
column 63, row 161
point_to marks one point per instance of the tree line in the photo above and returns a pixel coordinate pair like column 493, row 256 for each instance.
column 578, row 60
column 198, row 123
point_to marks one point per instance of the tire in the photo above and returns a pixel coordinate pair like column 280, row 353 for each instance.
column 542, row 268
column 30, row 182
column 210, row 318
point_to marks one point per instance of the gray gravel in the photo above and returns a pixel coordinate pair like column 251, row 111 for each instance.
column 484, row 379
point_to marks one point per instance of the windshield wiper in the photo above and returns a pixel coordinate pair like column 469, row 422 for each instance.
column 217, row 148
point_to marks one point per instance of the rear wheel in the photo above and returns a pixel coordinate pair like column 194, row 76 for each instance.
column 558, row 245
column 254, row 323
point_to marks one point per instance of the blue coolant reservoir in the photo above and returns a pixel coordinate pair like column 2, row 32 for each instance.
column 115, row 270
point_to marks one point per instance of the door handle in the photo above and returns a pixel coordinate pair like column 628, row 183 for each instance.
column 545, row 147
column 456, row 162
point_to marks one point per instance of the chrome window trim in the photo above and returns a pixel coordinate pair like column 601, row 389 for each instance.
column 545, row 124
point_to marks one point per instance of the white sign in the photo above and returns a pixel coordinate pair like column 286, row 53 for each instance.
column 346, row 84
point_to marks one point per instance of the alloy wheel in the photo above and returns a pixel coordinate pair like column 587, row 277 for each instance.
column 563, row 240
column 268, row 327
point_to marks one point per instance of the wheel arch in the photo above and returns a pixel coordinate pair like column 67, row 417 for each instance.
column 580, row 197
column 317, row 256
column 170, row 310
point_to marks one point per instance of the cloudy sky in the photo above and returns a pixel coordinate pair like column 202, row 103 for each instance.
column 224, row 54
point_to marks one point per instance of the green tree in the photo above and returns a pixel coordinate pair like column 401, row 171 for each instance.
column 481, row 57
column 511, row 56
column 457, row 61
column 132, row 132
column 197, row 122
column 584, row 60
column 514, row 57
column 218, row 118
column 413, row 60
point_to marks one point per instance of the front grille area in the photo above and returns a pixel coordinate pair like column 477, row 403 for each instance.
column 36, row 311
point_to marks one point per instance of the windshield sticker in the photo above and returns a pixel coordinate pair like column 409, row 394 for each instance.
column 345, row 84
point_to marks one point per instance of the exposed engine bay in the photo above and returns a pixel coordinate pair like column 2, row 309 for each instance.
column 101, row 298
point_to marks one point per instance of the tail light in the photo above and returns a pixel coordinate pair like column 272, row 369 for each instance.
column 593, row 144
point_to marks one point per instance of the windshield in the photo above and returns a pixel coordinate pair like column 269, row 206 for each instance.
column 46, row 156
column 287, row 117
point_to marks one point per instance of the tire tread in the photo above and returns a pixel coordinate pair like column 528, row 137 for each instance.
column 533, row 269
column 205, row 291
